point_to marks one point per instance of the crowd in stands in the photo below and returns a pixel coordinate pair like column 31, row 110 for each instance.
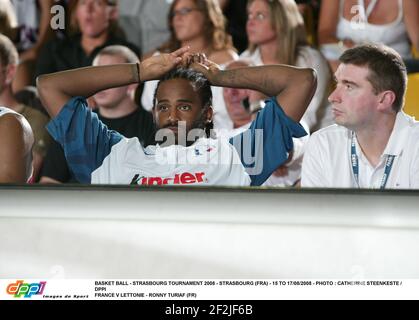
column 336, row 38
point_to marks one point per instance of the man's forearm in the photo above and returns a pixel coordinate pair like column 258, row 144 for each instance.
column 57, row 88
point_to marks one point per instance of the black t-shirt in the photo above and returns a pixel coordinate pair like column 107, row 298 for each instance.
column 137, row 124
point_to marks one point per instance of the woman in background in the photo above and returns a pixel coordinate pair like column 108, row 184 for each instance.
column 346, row 23
column 94, row 27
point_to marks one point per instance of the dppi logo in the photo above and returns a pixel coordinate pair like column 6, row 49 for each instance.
column 19, row 289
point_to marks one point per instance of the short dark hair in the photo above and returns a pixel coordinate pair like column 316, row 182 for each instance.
column 198, row 81
column 387, row 69
column 8, row 52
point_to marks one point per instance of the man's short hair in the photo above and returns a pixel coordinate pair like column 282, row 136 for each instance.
column 387, row 69
column 8, row 52
column 119, row 51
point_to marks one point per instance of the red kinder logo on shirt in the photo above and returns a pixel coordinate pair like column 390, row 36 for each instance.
column 178, row 179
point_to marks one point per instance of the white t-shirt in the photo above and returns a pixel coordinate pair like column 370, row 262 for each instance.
column 97, row 155
column 327, row 160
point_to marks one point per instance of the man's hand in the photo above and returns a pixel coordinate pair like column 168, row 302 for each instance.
column 200, row 63
column 155, row 67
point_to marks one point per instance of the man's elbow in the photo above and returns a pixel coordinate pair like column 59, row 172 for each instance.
column 309, row 81
column 41, row 85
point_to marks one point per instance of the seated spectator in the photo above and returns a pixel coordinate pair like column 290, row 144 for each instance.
column 310, row 10
column 29, row 96
column 116, row 109
column 15, row 147
column 37, row 120
column 276, row 34
column 199, row 24
column 237, row 102
column 95, row 27
column 373, row 144
column 144, row 22
column 346, row 23
column 186, row 155
column 240, row 109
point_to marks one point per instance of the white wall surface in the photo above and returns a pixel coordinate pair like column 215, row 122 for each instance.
column 198, row 233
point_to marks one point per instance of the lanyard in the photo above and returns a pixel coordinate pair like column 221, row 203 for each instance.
column 355, row 165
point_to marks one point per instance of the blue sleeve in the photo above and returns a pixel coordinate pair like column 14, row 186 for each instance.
column 85, row 139
column 266, row 144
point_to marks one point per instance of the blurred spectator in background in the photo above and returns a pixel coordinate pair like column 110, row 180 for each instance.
column 144, row 22
column 15, row 147
column 374, row 144
column 237, row 102
column 199, row 24
column 27, row 24
column 94, row 27
column 310, row 10
column 276, row 34
column 236, row 14
column 116, row 109
column 36, row 119
column 346, row 23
